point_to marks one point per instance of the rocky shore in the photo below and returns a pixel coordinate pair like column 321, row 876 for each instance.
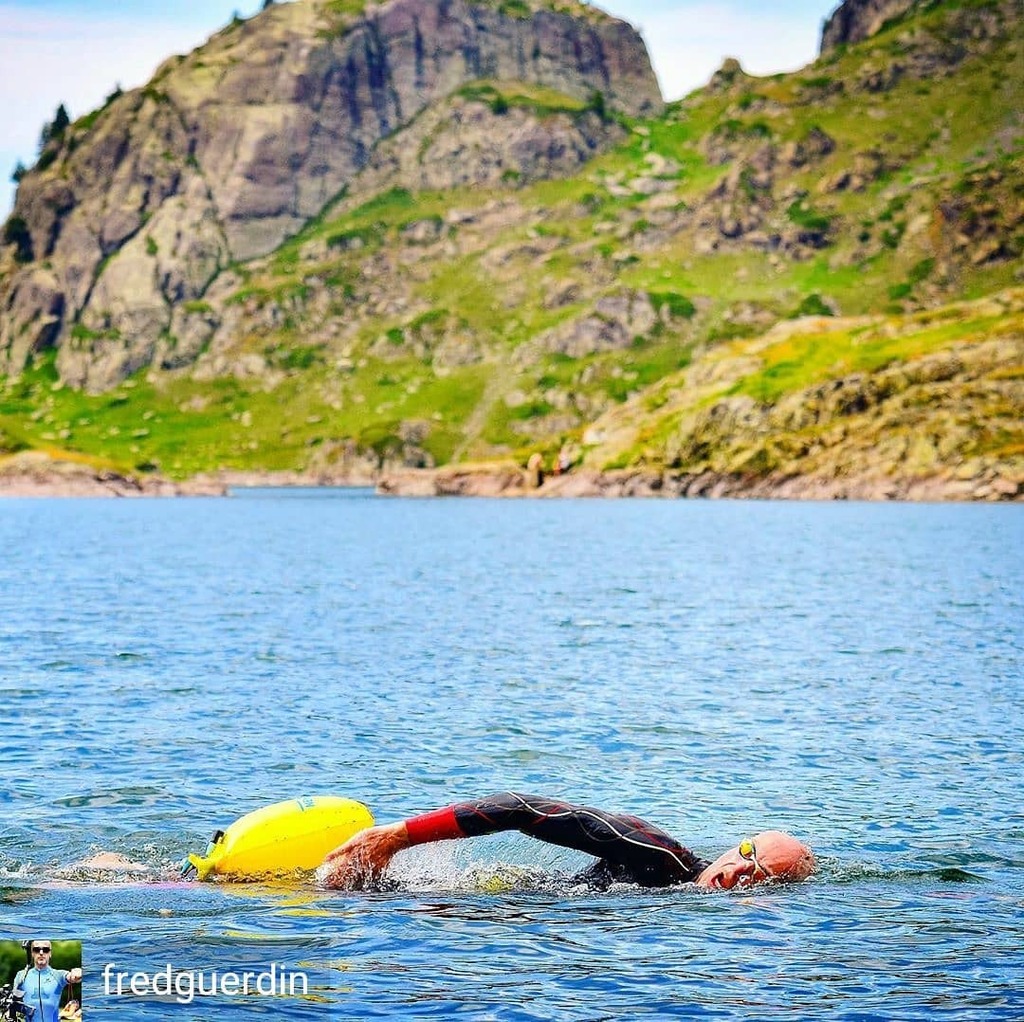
column 36, row 474
column 509, row 480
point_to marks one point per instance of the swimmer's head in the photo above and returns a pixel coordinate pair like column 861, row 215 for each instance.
column 770, row 855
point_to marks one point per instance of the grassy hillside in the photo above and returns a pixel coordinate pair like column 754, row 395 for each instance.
column 937, row 393
column 448, row 325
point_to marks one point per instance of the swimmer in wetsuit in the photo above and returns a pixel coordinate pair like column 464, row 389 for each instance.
column 628, row 850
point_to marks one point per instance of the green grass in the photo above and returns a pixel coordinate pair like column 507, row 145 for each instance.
column 540, row 100
column 678, row 305
column 345, row 7
column 188, row 427
column 804, row 360
column 647, row 364
column 468, row 291
column 813, row 305
column 514, row 8
column 804, row 216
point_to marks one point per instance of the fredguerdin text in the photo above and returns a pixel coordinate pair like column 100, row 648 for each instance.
column 186, row 984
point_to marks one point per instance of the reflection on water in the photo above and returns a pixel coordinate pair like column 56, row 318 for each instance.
column 847, row 672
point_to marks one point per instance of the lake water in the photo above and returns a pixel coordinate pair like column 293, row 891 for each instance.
column 849, row 672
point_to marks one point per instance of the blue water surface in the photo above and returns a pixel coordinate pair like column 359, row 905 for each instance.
column 848, row 672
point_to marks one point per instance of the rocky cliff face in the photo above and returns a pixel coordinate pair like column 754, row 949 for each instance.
column 857, row 20
column 132, row 213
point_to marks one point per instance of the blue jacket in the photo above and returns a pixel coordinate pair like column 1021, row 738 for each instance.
column 42, row 989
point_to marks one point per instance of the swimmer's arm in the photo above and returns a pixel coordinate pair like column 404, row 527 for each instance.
column 652, row 855
column 364, row 858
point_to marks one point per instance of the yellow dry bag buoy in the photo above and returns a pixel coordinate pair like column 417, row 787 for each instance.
column 281, row 838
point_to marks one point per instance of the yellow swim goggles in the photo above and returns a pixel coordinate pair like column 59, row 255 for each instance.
column 748, row 851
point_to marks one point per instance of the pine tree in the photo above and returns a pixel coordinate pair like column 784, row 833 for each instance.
column 55, row 128
column 60, row 122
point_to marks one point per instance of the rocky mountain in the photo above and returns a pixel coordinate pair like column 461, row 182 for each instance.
column 132, row 212
column 857, row 20
column 526, row 258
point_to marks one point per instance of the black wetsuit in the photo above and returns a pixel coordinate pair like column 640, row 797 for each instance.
column 628, row 849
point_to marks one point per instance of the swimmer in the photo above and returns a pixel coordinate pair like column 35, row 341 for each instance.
column 628, row 850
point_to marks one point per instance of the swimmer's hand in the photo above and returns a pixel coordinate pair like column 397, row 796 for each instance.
column 362, row 860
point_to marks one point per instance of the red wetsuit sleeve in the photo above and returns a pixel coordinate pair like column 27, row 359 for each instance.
column 439, row 825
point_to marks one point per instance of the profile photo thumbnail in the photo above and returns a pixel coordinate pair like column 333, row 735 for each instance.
column 40, row 980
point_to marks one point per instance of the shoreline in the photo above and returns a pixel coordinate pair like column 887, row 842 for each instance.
column 37, row 474
column 33, row 474
column 510, row 481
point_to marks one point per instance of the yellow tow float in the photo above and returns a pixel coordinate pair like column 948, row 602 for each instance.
column 280, row 839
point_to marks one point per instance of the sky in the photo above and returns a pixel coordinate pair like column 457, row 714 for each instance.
column 76, row 51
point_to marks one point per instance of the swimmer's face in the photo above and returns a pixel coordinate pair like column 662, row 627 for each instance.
column 770, row 855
